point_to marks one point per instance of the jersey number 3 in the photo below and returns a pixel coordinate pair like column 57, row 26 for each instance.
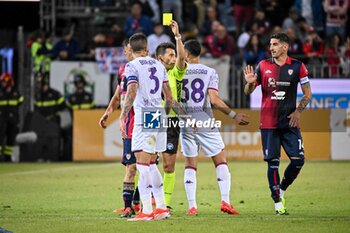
column 153, row 70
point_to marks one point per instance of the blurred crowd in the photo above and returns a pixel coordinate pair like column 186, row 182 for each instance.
column 319, row 31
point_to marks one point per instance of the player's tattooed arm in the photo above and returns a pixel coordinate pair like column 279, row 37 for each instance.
column 122, row 98
column 129, row 99
column 128, row 103
column 306, row 88
column 171, row 103
column 294, row 117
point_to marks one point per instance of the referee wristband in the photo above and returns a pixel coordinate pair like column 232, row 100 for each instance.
column 232, row 114
column 178, row 37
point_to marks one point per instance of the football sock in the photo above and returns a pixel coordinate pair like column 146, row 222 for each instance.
column 157, row 184
column 224, row 181
column 282, row 192
column 128, row 191
column 291, row 172
column 169, row 183
column 136, row 179
column 190, row 181
column 145, row 187
column 136, row 198
column 274, row 179
column 278, row 205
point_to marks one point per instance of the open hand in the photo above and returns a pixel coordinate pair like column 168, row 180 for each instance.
column 294, row 119
column 249, row 75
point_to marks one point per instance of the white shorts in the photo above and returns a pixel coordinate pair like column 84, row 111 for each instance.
column 210, row 142
column 150, row 142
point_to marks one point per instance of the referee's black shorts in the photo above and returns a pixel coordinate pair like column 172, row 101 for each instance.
column 173, row 134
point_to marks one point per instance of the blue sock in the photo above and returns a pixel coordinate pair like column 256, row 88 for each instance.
column 128, row 191
column 274, row 179
column 136, row 196
column 291, row 172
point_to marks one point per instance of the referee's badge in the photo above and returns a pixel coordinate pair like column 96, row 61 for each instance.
column 290, row 71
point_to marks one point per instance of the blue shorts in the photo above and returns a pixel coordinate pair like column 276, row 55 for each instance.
column 289, row 138
column 128, row 156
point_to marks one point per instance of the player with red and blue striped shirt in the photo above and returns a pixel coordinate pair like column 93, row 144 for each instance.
column 130, row 194
column 279, row 77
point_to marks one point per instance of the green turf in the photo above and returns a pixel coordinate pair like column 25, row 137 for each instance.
column 80, row 197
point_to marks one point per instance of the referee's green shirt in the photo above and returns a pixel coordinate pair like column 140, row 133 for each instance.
column 175, row 76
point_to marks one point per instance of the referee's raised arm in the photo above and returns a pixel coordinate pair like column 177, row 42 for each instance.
column 180, row 50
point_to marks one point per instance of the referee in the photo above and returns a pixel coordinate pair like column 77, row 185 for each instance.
column 173, row 58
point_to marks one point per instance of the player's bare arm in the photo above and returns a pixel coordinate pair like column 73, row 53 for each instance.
column 250, row 78
column 128, row 103
column 295, row 116
column 170, row 102
column 217, row 102
column 112, row 106
column 180, row 50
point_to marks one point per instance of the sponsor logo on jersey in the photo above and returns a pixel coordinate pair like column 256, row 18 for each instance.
column 283, row 84
column 278, row 95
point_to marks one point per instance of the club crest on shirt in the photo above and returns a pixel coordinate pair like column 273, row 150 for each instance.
column 290, row 71
column 271, row 82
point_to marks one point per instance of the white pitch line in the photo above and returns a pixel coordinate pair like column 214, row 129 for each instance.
column 53, row 170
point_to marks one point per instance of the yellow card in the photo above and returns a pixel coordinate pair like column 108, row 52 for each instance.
column 167, row 17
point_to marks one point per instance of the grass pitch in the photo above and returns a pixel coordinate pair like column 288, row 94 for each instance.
column 80, row 197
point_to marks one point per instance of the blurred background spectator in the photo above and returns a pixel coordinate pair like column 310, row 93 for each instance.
column 174, row 6
column 296, row 46
column 220, row 43
column 67, row 47
column 156, row 38
column 115, row 35
column 336, row 19
column 48, row 102
column 333, row 54
column 41, row 52
column 10, row 100
column 137, row 22
column 291, row 20
column 254, row 52
column 151, row 9
column 251, row 27
column 210, row 17
column 98, row 41
column 346, row 57
column 312, row 11
column 80, row 99
column 243, row 11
